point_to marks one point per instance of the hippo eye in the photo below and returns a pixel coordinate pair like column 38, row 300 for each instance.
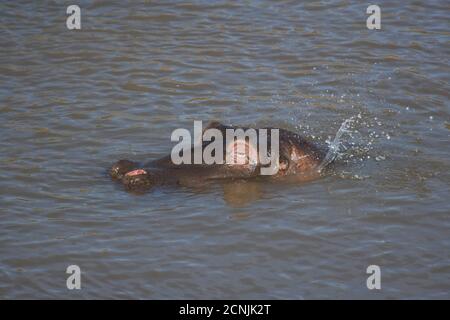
column 284, row 163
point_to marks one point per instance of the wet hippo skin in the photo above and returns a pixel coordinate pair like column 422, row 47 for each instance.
column 299, row 160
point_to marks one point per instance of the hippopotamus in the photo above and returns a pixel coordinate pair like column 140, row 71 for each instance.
column 299, row 160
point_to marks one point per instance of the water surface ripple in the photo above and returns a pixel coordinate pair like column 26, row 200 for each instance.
column 72, row 102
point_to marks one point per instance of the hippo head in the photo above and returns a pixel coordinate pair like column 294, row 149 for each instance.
column 297, row 156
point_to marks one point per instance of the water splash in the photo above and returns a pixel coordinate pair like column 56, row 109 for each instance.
column 335, row 146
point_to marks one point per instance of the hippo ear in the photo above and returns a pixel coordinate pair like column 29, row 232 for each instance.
column 213, row 125
column 241, row 152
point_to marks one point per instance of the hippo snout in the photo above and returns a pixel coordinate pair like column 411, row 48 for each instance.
column 130, row 175
column 120, row 168
column 137, row 180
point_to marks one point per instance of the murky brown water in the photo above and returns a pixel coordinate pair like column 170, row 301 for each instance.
column 72, row 102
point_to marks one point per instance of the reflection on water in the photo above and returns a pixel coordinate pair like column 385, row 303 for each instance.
column 73, row 102
column 241, row 193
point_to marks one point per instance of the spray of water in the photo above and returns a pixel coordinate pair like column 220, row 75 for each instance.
column 334, row 146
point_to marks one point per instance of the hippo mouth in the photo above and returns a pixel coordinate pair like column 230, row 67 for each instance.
column 137, row 180
column 136, row 172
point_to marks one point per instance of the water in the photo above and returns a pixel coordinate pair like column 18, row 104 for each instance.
column 73, row 102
